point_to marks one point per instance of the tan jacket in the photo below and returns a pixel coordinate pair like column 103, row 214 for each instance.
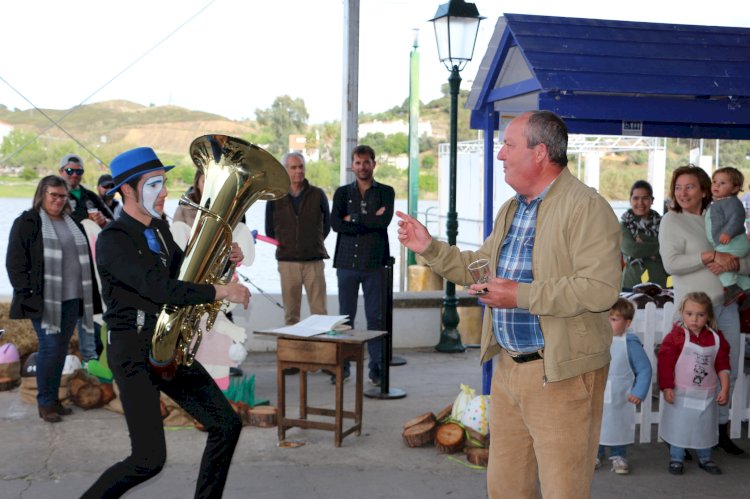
column 576, row 267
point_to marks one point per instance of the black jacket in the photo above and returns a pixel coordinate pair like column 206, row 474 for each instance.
column 362, row 242
column 135, row 277
column 88, row 198
column 25, row 264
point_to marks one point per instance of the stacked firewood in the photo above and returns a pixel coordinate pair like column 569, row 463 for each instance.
column 447, row 435
column 87, row 392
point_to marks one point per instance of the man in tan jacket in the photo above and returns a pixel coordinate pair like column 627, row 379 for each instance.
column 555, row 256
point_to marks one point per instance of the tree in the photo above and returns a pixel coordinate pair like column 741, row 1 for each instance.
column 285, row 117
column 21, row 148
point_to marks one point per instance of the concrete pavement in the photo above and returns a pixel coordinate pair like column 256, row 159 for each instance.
column 41, row 460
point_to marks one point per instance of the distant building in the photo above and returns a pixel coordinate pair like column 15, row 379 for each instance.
column 5, row 129
column 297, row 143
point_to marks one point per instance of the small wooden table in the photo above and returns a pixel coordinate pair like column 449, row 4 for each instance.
column 322, row 352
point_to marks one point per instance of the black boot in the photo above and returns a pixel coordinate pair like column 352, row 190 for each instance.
column 726, row 443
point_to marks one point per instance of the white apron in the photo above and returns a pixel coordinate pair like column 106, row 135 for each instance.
column 692, row 422
column 618, row 418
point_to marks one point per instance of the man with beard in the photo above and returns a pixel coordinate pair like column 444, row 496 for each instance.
column 360, row 215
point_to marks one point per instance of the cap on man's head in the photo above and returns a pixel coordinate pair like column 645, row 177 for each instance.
column 134, row 163
column 106, row 181
column 70, row 158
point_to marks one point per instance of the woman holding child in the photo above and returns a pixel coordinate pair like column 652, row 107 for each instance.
column 694, row 265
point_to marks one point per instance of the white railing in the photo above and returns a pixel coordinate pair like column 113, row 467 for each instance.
column 650, row 324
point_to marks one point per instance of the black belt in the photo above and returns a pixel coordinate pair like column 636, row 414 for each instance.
column 525, row 357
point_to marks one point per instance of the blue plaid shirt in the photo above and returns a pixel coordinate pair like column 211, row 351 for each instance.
column 515, row 328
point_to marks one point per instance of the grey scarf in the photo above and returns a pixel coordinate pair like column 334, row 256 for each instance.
column 52, row 314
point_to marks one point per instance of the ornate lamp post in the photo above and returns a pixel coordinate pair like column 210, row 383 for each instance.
column 456, row 25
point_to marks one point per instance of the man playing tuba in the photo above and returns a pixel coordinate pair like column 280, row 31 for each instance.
column 138, row 263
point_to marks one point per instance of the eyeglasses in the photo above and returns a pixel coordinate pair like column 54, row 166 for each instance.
column 57, row 197
column 74, row 171
column 107, row 186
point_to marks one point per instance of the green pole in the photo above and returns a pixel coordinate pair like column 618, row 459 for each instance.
column 413, row 199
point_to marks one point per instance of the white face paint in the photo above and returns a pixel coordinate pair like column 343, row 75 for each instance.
column 150, row 191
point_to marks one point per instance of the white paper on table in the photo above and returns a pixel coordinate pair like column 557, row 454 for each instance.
column 314, row 325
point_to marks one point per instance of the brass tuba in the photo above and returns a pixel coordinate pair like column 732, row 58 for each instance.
column 237, row 174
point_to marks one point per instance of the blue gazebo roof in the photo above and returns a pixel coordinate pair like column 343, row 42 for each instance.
column 617, row 77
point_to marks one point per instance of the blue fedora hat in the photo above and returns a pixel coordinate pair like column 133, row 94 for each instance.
column 132, row 164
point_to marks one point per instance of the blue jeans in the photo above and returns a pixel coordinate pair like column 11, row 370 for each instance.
column 614, row 451
column 86, row 342
column 678, row 454
column 50, row 358
column 372, row 289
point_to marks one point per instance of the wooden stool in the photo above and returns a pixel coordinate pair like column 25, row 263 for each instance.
column 329, row 353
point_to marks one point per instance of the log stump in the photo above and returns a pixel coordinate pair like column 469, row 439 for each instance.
column 478, row 456
column 419, row 435
column 85, row 390
column 422, row 418
column 475, row 439
column 449, row 438
column 9, row 383
column 444, row 413
column 263, row 416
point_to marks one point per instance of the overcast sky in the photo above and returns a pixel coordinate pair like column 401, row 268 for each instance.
column 235, row 56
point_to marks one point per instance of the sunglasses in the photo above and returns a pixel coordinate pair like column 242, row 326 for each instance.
column 74, row 171
column 108, row 186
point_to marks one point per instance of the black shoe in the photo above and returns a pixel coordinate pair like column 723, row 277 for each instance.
column 49, row 414
column 375, row 381
column 675, row 468
column 235, row 371
column 290, row 370
column 710, row 467
column 62, row 410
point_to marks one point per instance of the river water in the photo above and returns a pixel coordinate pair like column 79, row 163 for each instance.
column 262, row 273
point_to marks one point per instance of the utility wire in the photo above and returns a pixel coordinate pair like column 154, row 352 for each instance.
column 54, row 123
column 136, row 61
column 267, row 296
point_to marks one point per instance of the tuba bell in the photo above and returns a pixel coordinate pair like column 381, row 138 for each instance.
column 237, row 174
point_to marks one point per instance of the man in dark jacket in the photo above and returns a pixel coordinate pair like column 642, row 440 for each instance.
column 83, row 202
column 361, row 214
column 300, row 222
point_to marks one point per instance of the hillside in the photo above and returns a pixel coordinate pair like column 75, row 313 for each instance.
column 121, row 124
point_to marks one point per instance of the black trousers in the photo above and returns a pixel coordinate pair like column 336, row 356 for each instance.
column 194, row 390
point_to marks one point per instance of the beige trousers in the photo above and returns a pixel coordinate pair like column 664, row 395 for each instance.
column 295, row 275
column 544, row 437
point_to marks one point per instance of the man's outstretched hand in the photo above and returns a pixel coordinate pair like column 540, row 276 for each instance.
column 412, row 234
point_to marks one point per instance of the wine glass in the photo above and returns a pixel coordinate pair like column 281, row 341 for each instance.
column 480, row 271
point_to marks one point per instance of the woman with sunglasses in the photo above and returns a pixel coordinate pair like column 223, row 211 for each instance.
column 52, row 273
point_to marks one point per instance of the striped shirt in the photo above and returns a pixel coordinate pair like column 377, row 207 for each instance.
column 515, row 328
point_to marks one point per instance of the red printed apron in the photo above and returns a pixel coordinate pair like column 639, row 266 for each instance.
column 692, row 422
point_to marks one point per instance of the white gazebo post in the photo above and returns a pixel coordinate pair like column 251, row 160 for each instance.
column 591, row 169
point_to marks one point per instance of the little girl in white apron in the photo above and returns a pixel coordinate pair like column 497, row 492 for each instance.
column 690, row 412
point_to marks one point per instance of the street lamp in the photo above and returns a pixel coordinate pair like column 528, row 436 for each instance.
column 456, row 25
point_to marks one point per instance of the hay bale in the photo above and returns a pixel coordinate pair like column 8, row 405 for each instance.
column 21, row 333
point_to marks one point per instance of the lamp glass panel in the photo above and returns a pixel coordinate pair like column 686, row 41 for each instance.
column 463, row 33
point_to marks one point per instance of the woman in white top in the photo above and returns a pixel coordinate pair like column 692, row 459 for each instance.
column 694, row 264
